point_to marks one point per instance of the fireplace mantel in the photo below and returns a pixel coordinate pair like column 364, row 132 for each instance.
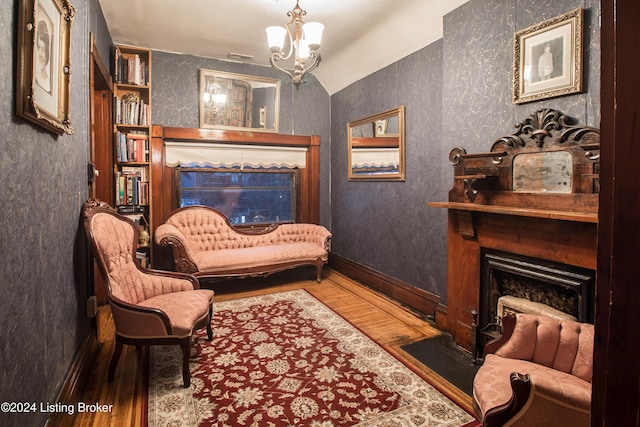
column 490, row 209
column 590, row 217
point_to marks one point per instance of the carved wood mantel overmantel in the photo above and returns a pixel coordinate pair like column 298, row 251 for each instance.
column 526, row 211
column 488, row 178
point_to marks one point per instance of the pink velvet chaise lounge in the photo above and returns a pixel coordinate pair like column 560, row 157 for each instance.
column 205, row 244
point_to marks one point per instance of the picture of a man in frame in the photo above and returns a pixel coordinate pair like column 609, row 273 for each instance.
column 547, row 60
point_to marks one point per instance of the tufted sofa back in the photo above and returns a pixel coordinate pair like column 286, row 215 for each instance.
column 563, row 345
column 206, row 229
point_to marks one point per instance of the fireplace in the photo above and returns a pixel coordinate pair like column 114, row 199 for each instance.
column 563, row 288
column 512, row 283
column 522, row 226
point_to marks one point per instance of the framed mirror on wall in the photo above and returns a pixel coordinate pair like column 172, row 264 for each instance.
column 376, row 147
column 238, row 101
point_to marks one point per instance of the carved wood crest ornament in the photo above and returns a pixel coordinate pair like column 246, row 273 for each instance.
column 543, row 131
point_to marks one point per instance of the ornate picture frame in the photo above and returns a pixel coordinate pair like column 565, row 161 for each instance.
column 238, row 101
column 548, row 59
column 44, row 63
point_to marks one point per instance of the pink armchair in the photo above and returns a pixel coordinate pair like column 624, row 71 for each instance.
column 149, row 307
column 537, row 374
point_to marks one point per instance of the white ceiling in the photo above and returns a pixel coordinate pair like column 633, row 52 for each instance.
column 360, row 36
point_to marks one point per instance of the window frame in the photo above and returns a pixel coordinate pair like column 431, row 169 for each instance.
column 295, row 172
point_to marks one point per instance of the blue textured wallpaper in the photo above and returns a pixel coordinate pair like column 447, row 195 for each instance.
column 42, row 268
column 457, row 92
column 386, row 225
column 304, row 111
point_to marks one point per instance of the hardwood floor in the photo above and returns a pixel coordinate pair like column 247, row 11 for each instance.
column 386, row 321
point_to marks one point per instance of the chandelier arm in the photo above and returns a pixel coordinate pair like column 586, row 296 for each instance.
column 275, row 58
column 316, row 61
column 284, row 58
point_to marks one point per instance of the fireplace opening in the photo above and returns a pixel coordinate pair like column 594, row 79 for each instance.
column 516, row 283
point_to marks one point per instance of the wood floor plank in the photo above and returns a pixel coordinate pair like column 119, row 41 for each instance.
column 384, row 320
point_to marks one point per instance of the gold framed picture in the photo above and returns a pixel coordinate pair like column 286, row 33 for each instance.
column 44, row 65
column 548, row 59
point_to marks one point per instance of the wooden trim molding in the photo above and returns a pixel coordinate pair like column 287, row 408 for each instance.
column 410, row 295
column 162, row 181
column 77, row 380
column 591, row 217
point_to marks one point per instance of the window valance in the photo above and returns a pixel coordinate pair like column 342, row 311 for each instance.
column 375, row 157
column 204, row 154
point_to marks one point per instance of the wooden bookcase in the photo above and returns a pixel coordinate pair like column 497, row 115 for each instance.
column 132, row 138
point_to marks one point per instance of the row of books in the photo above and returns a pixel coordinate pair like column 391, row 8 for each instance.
column 131, row 110
column 132, row 186
column 131, row 69
column 132, row 147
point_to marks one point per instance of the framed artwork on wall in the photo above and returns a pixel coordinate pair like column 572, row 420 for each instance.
column 44, row 65
column 380, row 127
column 548, row 59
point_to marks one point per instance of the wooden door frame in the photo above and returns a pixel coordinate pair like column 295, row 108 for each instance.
column 100, row 151
column 616, row 373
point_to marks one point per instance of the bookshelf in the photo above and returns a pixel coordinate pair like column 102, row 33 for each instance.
column 131, row 141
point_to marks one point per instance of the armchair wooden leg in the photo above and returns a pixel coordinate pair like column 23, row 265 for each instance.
column 209, row 330
column 114, row 359
column 185, row 345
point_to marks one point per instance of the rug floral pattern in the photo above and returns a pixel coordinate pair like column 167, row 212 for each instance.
column 286, row 359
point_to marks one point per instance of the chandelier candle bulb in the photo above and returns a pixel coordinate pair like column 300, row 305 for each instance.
column 275, row 37
column 313, row 34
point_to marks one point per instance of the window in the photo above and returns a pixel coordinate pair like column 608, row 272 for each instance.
column 250, row 196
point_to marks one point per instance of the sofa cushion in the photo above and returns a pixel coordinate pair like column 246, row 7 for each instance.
column 225, row 259
column 492, row 386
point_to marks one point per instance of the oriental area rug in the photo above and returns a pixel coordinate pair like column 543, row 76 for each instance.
column 286, row 359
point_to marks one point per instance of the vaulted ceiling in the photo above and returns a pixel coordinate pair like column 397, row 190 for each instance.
column 360, row 36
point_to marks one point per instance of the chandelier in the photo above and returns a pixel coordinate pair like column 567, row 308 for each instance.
column 214, row 99
column 304, row 42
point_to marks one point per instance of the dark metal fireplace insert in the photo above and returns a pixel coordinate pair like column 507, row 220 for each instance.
column 560, row 288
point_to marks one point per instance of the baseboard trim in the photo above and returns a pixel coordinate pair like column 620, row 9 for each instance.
column 76, row 381
column 441, row 317
column 410, row 295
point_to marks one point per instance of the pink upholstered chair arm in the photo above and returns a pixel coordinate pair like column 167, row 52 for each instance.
column 550, row 403
column 168, row 233
column 310, row 233
column 165, row 230
column 178, row 281
column 133, row 285
column 550, row 389
column 133, row 321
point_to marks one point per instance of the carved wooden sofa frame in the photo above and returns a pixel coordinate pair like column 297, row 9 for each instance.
column 206, row 245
